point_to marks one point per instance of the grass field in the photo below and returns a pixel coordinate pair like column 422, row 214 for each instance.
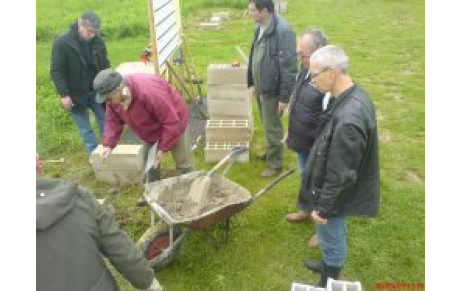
column 385, row 42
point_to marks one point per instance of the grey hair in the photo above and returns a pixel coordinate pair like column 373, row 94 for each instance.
column 318, row 38
column 89, row 18
column 332, row 57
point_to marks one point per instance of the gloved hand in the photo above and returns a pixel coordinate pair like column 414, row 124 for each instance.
column 155, row 286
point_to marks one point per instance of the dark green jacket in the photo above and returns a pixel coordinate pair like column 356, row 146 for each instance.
column 69, row 68
column 74, row 232
column 278, row 67
column 342, row 176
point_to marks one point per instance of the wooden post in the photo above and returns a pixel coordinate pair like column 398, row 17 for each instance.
column 153, row 37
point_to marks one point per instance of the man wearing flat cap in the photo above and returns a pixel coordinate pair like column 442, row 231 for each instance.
column 76, row 58
column 152, row 109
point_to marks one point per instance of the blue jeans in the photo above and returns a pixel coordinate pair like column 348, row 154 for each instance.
column 302, row 159
column 80, row 115
column 333, row 241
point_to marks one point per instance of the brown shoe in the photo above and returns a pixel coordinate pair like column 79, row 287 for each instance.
column 262, row 157
column 298, row 217
column 313, row 243
column 269, row 172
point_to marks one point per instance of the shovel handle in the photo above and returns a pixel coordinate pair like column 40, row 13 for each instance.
column 235, row 151
column 273, row 183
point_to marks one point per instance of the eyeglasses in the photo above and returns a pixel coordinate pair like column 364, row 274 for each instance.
column 302, row 55
column 91, row 30
column 314, row 75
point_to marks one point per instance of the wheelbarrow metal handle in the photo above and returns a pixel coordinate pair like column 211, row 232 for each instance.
column 161, row 212
column 272, row 183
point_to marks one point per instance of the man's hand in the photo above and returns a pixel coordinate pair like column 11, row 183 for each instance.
column 38, row 165
column 155, row 286
column 284, row 140
column 251, row 93
column 106, row 152
column 158, row 158
column 318, row 219
column 282, row 106
column 67, row 103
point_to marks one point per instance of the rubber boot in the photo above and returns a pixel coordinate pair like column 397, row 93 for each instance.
column 315, row 266
column 329, row 272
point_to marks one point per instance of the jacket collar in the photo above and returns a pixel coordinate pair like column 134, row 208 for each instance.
column 271, row 27
column 337, row 102
column 73, row 40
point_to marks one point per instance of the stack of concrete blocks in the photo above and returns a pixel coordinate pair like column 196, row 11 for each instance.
column 231, row 122
column 280, row 6
column 332, row 285
column 122, row 167
column 215, row 21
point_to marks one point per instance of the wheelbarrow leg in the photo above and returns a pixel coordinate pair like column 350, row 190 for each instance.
column 227, row 228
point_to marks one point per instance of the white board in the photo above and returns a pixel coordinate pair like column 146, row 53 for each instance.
column 167, row 25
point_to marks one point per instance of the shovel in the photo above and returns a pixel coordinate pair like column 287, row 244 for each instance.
column 199, row 188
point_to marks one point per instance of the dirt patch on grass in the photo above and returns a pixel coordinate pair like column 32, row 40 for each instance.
column 384, row 135
column 413, row 177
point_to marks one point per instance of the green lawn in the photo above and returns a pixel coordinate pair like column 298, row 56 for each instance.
column 385, row 42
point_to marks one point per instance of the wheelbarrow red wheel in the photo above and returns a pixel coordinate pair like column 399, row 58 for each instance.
column 155, row 244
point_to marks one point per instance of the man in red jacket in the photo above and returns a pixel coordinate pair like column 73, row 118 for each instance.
column 153, row 110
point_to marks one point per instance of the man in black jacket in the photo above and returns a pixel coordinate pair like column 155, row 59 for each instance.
column 76, row 58
column 272, row 68
column 305, row 108
column 342, row 175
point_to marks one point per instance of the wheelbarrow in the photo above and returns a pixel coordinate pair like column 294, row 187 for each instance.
column 168, row 200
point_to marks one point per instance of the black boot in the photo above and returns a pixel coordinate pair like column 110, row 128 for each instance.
column 152, row 175
column 315, row 266
column 329, row 272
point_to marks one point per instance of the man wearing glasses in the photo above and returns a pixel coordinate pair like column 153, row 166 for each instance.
column 76, row 58
column 305, row 110
column 342, row 174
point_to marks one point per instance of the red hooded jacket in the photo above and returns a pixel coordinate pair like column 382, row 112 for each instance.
column 156, row 113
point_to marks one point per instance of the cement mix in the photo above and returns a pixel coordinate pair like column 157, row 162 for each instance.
column 175, row 197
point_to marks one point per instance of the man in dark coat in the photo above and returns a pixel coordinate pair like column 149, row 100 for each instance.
column 76, row 58
column 74, row 233
column 272, row 68
column 342, row 176
column 305, row 108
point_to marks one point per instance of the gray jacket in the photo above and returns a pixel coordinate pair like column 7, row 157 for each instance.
column 74, row 232
column 278, row 67
column 342, row 176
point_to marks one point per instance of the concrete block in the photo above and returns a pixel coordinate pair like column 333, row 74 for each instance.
column 210, row 25
column 228, row 131
column 215, row 19
column 338, row 285
column 136, row 67
column 228, row 107
column 216, row 151
column 123, row 166
column 223, row 15
column 280, row 6
column 228, row 91
column 283, row 6
column 226, row 74
column 303, row 287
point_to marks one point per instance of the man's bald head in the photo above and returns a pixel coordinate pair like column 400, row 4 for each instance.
column 310, row 41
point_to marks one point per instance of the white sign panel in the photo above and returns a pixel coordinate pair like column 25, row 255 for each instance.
column 167, row 28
